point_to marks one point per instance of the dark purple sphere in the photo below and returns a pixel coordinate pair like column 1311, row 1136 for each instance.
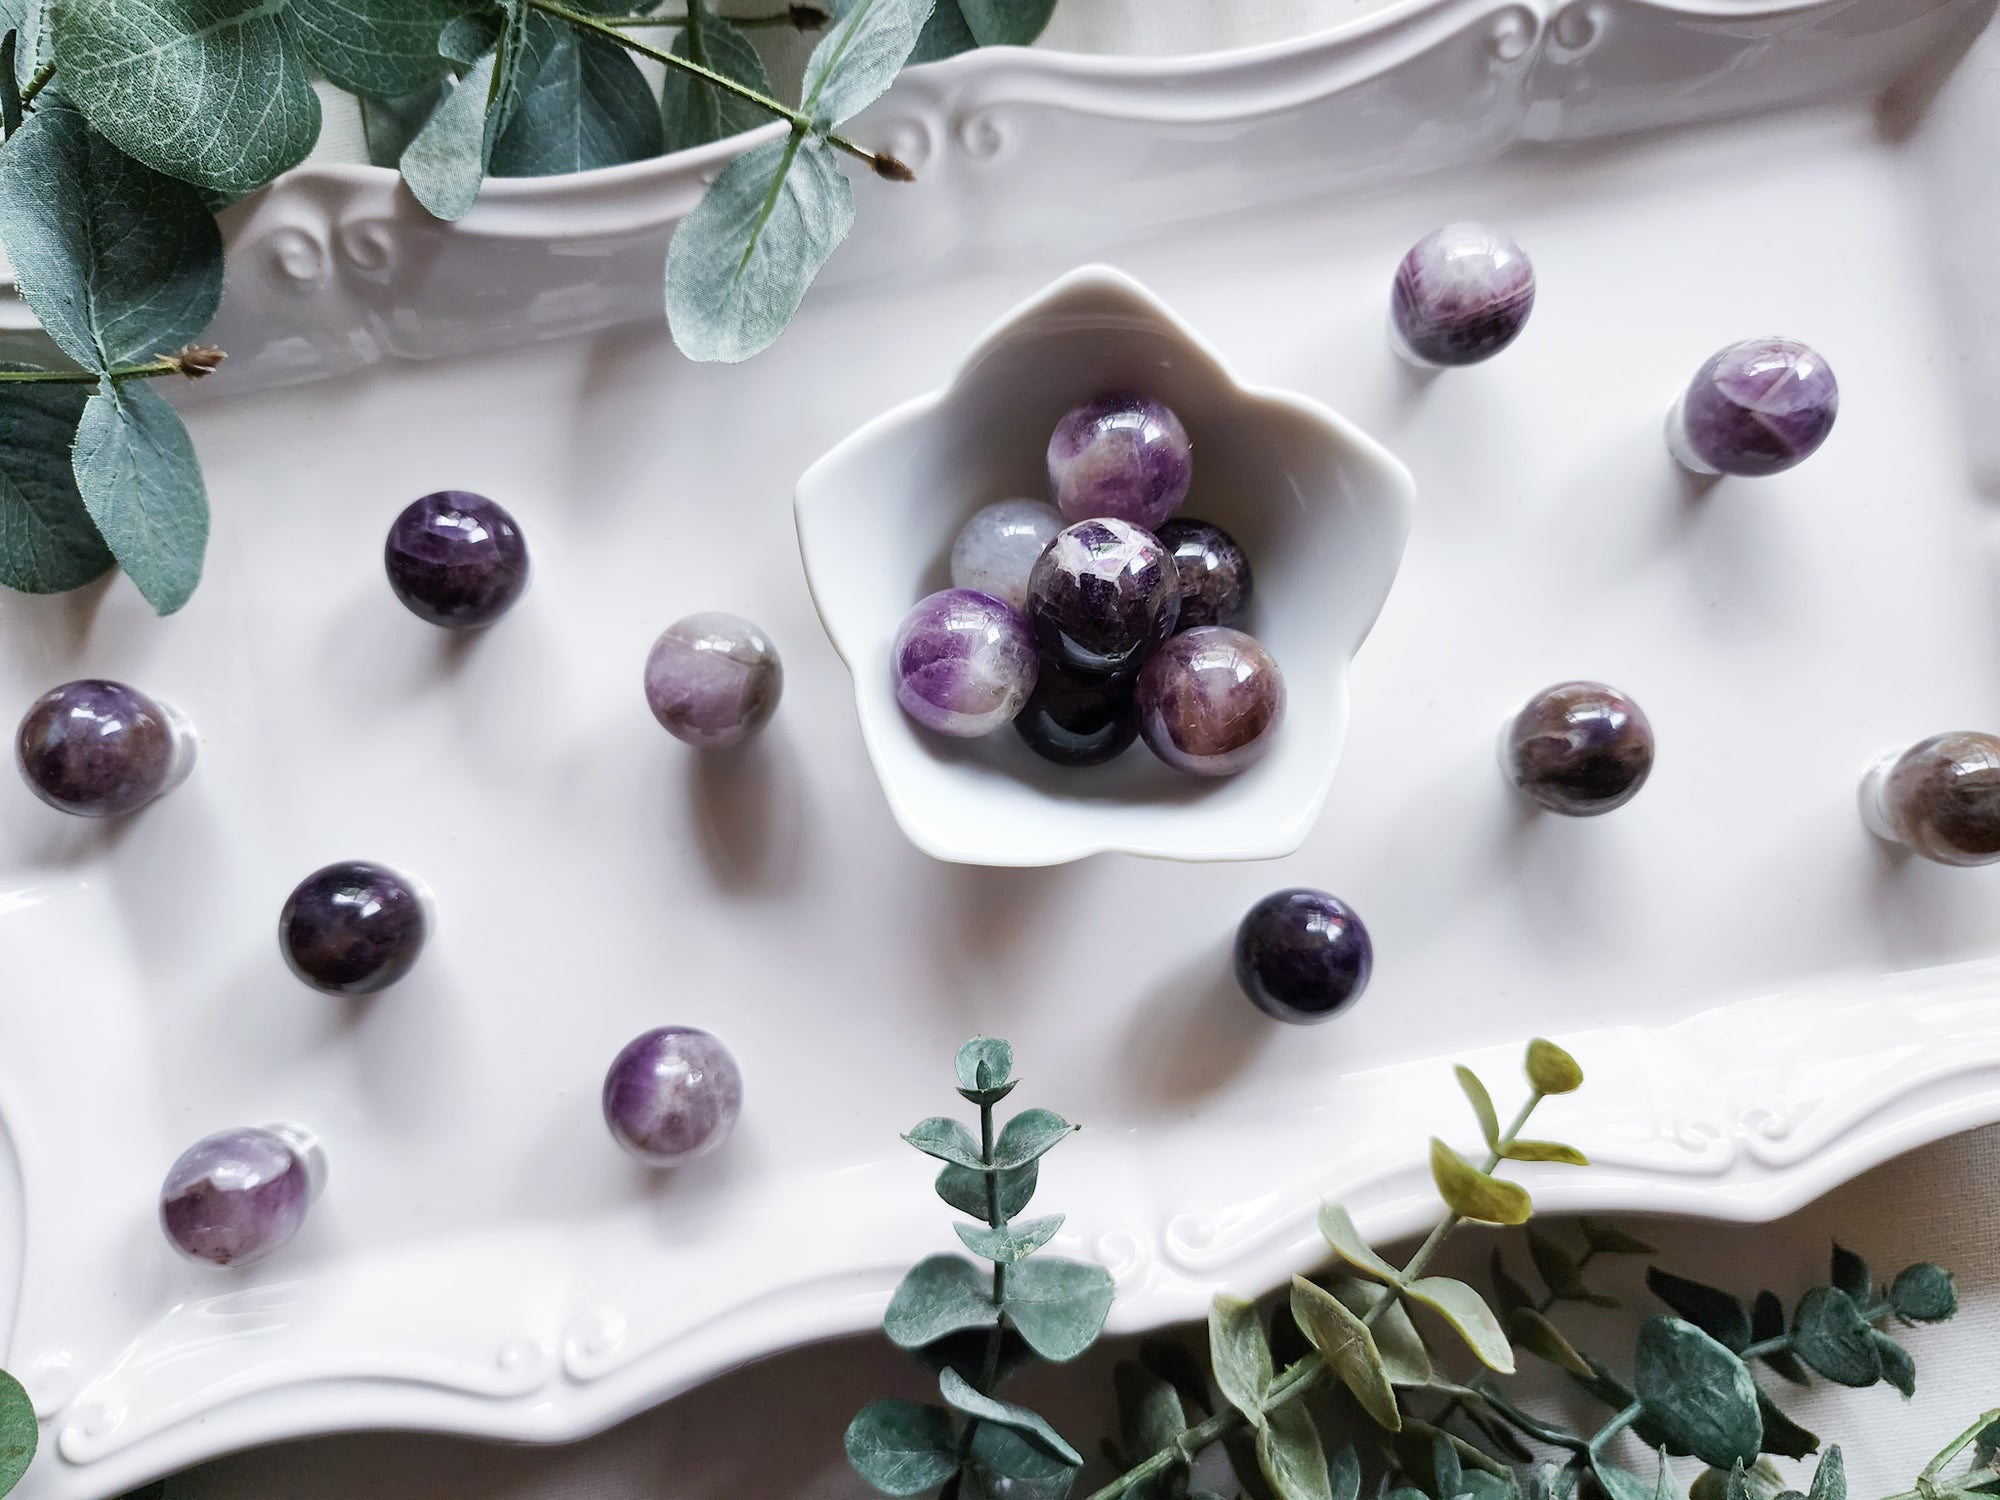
column 1578, row 748
column 100, row 749
column 1756, row 408
column 1121, row 455
column 353, row 928
column 1214, row 573
column 1211, row 701
column 1462, row 294
column 1302, row 956
column 964, row 662
column 673, row 1094
column 235, row 1196
column 1077, row 720
column 1103, row 596
column 456, row 559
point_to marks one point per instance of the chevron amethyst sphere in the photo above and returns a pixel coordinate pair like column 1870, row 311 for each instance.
column 1210, row 701
column 456, row 559
column 713, row 680
column 671, row 1095
column 964, row 662
column 1121, row 455
column 1755, row 408
column 353, row 928
column 1214, row 573
column 235, row 1196
column 1103, row 596
column 1462, row 294
column 1578, row 748
column 1078, row 720
column 996, row 549
column 1303, row 956
column 100, row 749
column 1940, row 798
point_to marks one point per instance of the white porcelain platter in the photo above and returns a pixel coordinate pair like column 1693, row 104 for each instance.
column 1766, row 999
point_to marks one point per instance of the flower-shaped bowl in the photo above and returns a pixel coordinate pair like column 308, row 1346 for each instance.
column 1321, row 509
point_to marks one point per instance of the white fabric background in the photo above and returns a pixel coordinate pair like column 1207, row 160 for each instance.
column 773, row 1430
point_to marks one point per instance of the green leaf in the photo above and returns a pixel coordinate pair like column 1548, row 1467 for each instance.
column 1850, row 1274
column 1466, row 1311
column 1923, row 1293
column 1024, row 1471
column 1696, row 1393
column 1782, row 1435
column 1010, row 1242
column 1828, row 1334
column 1029, row 1135
column 136, row 471
column 214, row 92
column 1507, row 1292
column 1339, row 1231
column 1239, row 1356
column 1289, row 1453
column 693, row 112
column 1349, row 1349
column 902, row 1447
column 1715, row 1312
column 1343, row 1480
column 10, row 84
column 445, row 163
column 1482, row 1105
column 19, row 1432
column 1472, row 1194
column 1552, row 1070
column 1555, row 1151
column 118, row 262
column 1617, row 1483
column 739, row 265
column 964, row 1188
column 1058, row 1306
column 960, row 25
column 1150, row 1415
column 1609, row 1239
column 959, row 1393
column 1541, row 1338
column 377, row 47
column 859, row 57
column 945, row 34
column 48, row 543
column 1404, row 1356
column 1247, row 1466
column 1830, row 1478
column 1897, row 1366
column 940, row 1294
column 1767, row 1321
column 388, row 126
column 467, row 38
column 985, row 1062
column 579, row 102
column 29, row 20
column 1560, row 1272
column 946, row 1139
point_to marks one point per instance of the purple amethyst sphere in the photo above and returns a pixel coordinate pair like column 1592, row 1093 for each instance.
column 235, row 1196
column 672, row 1094
column 1103, row 596
column 101, row 749
column 1211, row 701
column 1121, row 455
column 964, row 662
column 456, row 559
column 1941, row 798
column 1578, row 748
column 713, row 679
column 1214, row 573
column 1078, row 720
column 1756, row 408
column 353, row 928
column 1462, row 294
column 1302, row 956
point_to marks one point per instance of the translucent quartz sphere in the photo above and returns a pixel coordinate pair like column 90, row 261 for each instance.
column 1462, row 294
column 997, row 548
column 1078, row 720
column 1210, row 701
column 1940, row 798
column 1121, row 455
column 353, row 928
column 101, row 749
column 1302, row 956
column 672, row 1094
column 964, row 662
column 1103, row 596
column 1214, row 573
column 456, row 559
column 235, row 1196
column 1578, row 748
column 713, row 679
column 1756, row 408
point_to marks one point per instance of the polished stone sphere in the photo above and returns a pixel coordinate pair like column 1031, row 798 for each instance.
column 1120, row 455
column 1078, row 720
column 1462, row 294
column 101, row 749
column 1214, row 573
column 1103, row 597
column 1210, row 701
column 1578, row 748
column 235, row 1196
column 671, row 1095
column 996, row 549
column 964, row 663
column 456, row 559
column 713, row 679
column 1302, row 956
column 1755, row 408
column 353, row 928
column 1941, row 798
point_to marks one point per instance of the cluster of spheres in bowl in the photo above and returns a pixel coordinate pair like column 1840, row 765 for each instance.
column 1102, row 618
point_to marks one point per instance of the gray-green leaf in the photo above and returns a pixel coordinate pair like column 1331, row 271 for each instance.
column 1348, row 1348
column 1923, row 1293
column 136, row 471
column 1782, row 1435
column 1010, row 1242
column 1289, row 1453
column 1396, row 1338
column 378, row 47
column 964, row 1188
column 389, row 125
column 1482, row 1105
column 1029, row 1135
column 960, row 25
column 940, row 1294
column 48, row 543
column 1469, row 1317
column 1472, row 1194
column 1552, row 1070
column 1828, row 1334
column 693, row 112
column 1716, row 1313
column 1830, row 1478
column 1617, row 1483
column 446, row 162
column 18, row 1432
column 946, row 1139
column 1697, row 1394
column 945, row 34
column 857, row 60
column 1338, row 1228
column 1058, row 1306
column 959, row 1393
column 983, row 1063
column 1239, row 1355
column 1850, row 1274
column 214, row 92
column 1025, row 1471
column 579, row 102
column 902, row 1447
column 29, row 19
column 1150, row 1415
column 1897, row 1366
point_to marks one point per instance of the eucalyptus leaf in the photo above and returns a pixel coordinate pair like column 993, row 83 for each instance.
column 1009, row 1242
column 1015, row 1467
column 1404, row 1356
column 1349, row 1350
column 382, row 48
column 467, row 38
column 214, row 92
column 389, row 125
column 945, row 34
column 985, row 1062
column 1466, row 1311
column 1828, row 1334
column 1058, row 1306
column 1609, row 1239
column 1552, row 1070
column 1006, row 23
column 964, row 1188
column 902, row 1447
column 10, row 82
column 1850, row 1274
column 1715, row 1312
column 1472, row 1194
column 1761, row 1481
column 1551, row 1151
column 1030, row 1134
column 1767, row 1322
column 1923, row 1293
column 1782, row 1435
column 1541, row 1338
column 1239, row 1356
column 1482, row 1105
column 940, row 1294
column 19, row 1432
column 946, row 1139
column 1557, row 1268
column 1696, row 1393
column 1247, row 1465
column 1619, row 1483
column 446, row 161
column 1343, row 1474
column 136, row 471
column 1150, row 1415
column 959, row 1393
column 579, row 102
column 859, row 57
column 1338, row 1229
column 1830, row 1478
column 1897, row 1366
column 1176, row 1364
column 1289, row 1453
column 1553, row 1482
column 28, row 19
column 48, row 543
column 694, row 112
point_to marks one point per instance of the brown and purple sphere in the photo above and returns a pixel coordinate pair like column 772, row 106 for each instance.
column 1578, row 748
column 1214, row 573
column 713, row 679
column 100, row 749
column 1210, row 701
column 672, row 1094
column 456, row 559
column 1940, row 798
column 1303, row 956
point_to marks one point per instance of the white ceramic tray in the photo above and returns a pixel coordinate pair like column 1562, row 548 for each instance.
column 1767, row 1000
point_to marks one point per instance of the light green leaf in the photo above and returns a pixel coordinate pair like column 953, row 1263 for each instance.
column 1029, row 1135
column 902, row 1447
column 1828, row 1334
column 940, row 1294
column 958, row 1393
column 1347, row 1242
column 446, row 162
column 136, row 471
column 739, row 265
column 1482, row 1105
column 1472, row 1194
column 946, row 1139
column 1396, row 1338
column 1552, row 1070
column 1923, row 1293
column 118, row 262
column 1289, row 1453
column 1469, row 1316
column 214, row 92
column 1555, row 1151
column 1349, row 1349
column 964, row 1188
column 48, row 543
column 692, row 112
column 1697, row 1395
column 859, row 57
column 382, row 48
column 1239, row 1355
column 1541, row 1338
column 579, row 102
column 1024, row 1471
column 1010, row 1242
column 1058, row 1306
column 18, row 1432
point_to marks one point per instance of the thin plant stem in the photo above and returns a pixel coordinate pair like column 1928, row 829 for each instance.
column 37, row 83
column 798, row 17
column 165, row 364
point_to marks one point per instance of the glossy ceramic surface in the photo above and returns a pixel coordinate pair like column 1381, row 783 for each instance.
column 484, row 1259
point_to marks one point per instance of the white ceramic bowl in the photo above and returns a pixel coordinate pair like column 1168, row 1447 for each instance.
column 1321, row 509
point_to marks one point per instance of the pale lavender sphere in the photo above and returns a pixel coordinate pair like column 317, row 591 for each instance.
column 713, row 679
column 1755, row 408
column 996, row 549
column 100, row 749
column 1103, row 596
column 1121, row 455
column 672, row 1094
column 235, row 1196
column 1210, row 701
column 1462, row 294
column 964, row 662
